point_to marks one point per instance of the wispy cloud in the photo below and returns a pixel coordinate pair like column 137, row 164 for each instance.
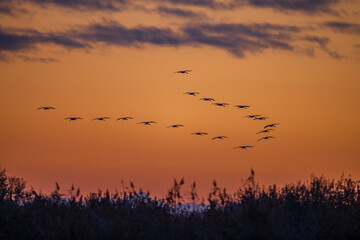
column 323, row 42
column 235, row 38
column 305, row 6
column 84, row 5
column 241, row 38
column 25, row 39
column 178, row 12
column 10, row 8
column 343, row 27
column 37, row 59
column 214, row 4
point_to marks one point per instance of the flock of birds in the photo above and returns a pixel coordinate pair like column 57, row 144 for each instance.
column 267, row 128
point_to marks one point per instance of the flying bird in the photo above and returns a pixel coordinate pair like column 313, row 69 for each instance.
column 252, row 116
column 191, row 93
column 221, row 104
column 242, row 106
column 101, row 118
column 199, row 133
column 175, row 126
column 124, row 118
column 272, row 125
column 260, row 118
column 219, row 137
column 265, row 138
column 72, row 118
column 265, row 131
column 207, row 99
column 243, row 147
column 147, row 122
column 46, row 108
column 183, row 71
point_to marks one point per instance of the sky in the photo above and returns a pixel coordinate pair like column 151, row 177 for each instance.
column 295, row 62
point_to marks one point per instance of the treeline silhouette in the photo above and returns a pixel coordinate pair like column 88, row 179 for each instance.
column 317, row 209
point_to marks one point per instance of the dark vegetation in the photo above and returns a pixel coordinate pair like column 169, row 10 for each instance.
column 317, row 209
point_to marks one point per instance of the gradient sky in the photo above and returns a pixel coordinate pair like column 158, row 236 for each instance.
column 296, row 62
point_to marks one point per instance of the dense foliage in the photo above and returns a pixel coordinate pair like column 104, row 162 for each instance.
column 318, row 209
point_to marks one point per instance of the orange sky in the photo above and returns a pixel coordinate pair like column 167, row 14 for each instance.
column 91, row 62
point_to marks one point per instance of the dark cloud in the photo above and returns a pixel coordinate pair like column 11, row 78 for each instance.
column 83, row 5
column 234, row 38
column 240, row 38
column 343, row 27
column 11, row 7
column 177, row 12
column 116, row 34
column 306, row 6
column 200, row 3
column 237, row 39
column 6, row 10
column 14, row 40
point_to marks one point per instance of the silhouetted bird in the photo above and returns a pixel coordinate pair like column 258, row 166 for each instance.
column 101, row 118
column 272, row 125
column 147, row 122
column 199, row 133
column 207, row 99
column 219, row 137
column 124, row 118
column 265, row 131
column 191, row 93
column 72, row 118
column 221, row 104
column 265, row 138
column 260, row 118
column 243, row 147
column 175, row 126
column 242, row 106
column 252, row 116
column 46, row 108
column 183, row 71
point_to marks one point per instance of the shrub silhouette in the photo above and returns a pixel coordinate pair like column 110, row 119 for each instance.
column 318, row 209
